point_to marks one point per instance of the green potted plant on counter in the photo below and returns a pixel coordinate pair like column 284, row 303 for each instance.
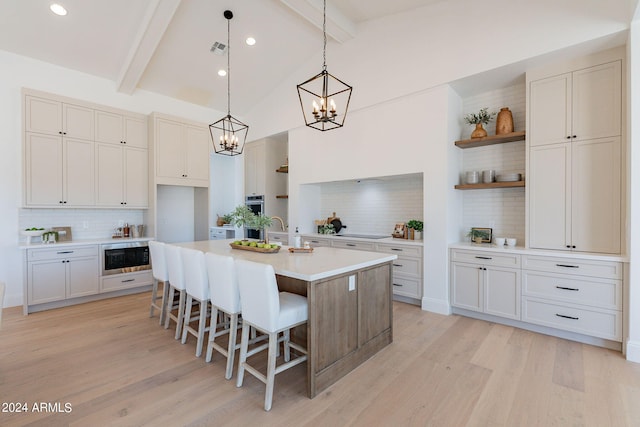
column 262, row 222
column 416, row 225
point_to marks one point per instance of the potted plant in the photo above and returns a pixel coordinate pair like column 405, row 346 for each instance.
column 482, row 117
column 416, row 225
column 477, row 235
column 262, row 222
column 241, row 216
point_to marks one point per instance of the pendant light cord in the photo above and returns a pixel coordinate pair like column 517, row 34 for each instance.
column 324, row 31
column 228, row 67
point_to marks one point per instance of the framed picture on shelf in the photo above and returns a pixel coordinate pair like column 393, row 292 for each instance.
column 483, row 233
column 399, row 230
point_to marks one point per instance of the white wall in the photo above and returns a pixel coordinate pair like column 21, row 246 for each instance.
column 17, row 72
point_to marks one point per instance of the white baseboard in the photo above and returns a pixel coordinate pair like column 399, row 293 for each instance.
column 436, row 306
column 633, row 351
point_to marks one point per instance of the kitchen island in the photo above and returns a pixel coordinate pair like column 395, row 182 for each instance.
column 349, row 295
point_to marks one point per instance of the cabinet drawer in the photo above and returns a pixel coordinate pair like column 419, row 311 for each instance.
column 277, row 238
column 594, row 292
column 574, row 266
column 486, row 258
column 598, row 323
column 125, row 281
column 316, row 242
column 407, row 266
column 406, row 287
column 349, row 244
column 400, row 250
column 65, row 252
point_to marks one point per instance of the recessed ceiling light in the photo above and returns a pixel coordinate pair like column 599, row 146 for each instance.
column 222, row 73
column 58, row 9
column 251, row 41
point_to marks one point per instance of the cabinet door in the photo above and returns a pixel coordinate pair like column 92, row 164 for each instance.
column 109, row 175
column 43, row 115
column 466, row 286
column 502, row 292
column 79, row 172
column 170, row 149
column 197, row 160
column 136, row 187
column 254, row 169
column 108, row 127
column 597, row 101
column 550, row 197
column 43, row 170
column 82, row 277
column 550, row 110
column 135, row 132
column 77, row 122
column 47, row 281
column 596, row 195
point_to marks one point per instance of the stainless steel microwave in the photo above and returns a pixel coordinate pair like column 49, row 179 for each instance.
column 125, row 257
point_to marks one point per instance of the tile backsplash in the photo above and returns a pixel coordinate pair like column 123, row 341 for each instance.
column 84, row 223
column 373, row 205
column 501, row 209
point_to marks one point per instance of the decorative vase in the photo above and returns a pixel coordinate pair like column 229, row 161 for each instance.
column 504, row 121
column 418, row 235
column 479, row 131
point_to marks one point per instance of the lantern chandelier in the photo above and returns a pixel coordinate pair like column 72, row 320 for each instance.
column 228, row 134
column 324, row 107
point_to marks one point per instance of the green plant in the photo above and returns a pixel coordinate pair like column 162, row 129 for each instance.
column 415, row 224
column 326, row 229
column 261, row 221
column 474, row 233
column 242, row 216
column 227, row 218
column 483, row 116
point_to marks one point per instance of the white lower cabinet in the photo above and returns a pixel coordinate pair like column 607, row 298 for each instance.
column 316, row 242
column 59, row 274
column 407, row 269
column 482, row 284
column 276, row 236
column 126, row 281
column 565, row 293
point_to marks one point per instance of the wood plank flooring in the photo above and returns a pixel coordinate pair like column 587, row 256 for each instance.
column 116, row 366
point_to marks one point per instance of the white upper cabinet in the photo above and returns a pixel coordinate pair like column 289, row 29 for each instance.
column 122, row 176
column 255, row 169
column 576, row 106
column 181, row 152
column 58, row 118
column 116, row 128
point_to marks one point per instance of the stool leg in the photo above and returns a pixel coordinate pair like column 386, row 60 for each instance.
column 202, row 325
column 244, row 345
column 212, row 333
column 271, row 370
column 187, row 319
column 231, row 351
column 181, row 307
column 287, row 349
column 154, row 297
column 165, row 297
column 168, row 306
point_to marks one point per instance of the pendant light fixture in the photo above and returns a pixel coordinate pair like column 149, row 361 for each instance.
column 324, row 99
column 228, row 134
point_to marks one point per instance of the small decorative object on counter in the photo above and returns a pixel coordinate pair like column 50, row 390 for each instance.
column 482, row 117
column 399, row 231
column 480, row 235
column 504, row 121
column 415, row 229
column 126, row 231
column 326, row 229
column 297, row 240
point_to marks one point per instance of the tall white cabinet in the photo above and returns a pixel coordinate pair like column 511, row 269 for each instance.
column 575, row 159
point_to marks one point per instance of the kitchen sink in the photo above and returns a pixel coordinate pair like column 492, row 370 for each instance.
column 363, row 236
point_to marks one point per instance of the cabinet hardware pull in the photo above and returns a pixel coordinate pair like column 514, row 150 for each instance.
column 396, row 249
column 567, row 289
column 568, row 136
column 395, row 284
column 567, row 317
column 128, row 280
column 484, row 257
column 315, row 241
column 397, row 265
column 350, row 244
column 574, row 136
column 64, row 252
column 567, row 266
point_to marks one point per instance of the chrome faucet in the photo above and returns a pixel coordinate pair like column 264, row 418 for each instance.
column 281, row 222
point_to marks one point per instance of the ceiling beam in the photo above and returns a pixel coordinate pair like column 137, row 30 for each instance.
column 156, row 20
column 339, row 27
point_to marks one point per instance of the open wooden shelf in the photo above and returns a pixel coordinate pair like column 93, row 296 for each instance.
column 282, row 196
column 481, row 186
column 491, row 140
column 283, row 169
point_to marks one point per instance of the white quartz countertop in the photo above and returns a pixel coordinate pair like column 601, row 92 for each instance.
column 526, row 251
column 386, row 240
column 322, row 263
column 81, row 242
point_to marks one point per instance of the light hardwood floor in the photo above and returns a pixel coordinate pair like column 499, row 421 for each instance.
column 115, row 366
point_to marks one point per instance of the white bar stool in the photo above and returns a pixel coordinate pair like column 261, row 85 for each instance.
column 225, row 297
column 160, row 274
column 2, row 288
column 173, row 257
column 271, row 312
column 197, row 287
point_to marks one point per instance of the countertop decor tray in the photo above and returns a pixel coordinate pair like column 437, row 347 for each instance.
column 307, row 250
column 255, row 248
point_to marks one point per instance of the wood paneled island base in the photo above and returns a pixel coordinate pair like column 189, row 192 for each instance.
column 345, row 327
column 350, row 304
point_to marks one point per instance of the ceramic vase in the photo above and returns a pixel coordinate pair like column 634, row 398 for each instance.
column 479, row 131
column 504, row 121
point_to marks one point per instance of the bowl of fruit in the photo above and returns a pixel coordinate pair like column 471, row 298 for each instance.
column 33, row 232
column 255, row 246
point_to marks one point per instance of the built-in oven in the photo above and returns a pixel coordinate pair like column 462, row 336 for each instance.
column 125, row 257
column 256, row 204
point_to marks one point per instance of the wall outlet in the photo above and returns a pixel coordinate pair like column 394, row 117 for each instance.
column 352, row 283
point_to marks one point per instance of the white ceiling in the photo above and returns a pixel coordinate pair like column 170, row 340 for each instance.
column 163, row 46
